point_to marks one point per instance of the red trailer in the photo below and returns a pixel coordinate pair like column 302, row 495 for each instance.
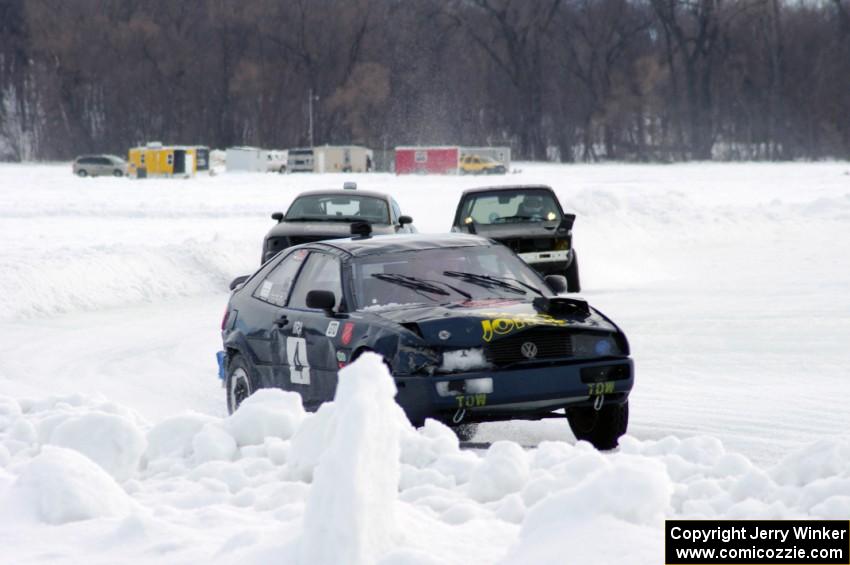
column 431, row 160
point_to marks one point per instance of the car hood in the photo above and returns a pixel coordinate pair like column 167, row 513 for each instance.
column 520, row 230
column 474, row 323
column 331, row 229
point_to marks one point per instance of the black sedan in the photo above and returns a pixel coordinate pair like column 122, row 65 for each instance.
column 328, row 214
column 469, row 331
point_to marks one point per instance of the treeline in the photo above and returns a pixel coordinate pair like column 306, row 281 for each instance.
column 554, row 79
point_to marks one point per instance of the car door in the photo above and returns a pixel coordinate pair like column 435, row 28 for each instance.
column 269, row 320
column 308, row 339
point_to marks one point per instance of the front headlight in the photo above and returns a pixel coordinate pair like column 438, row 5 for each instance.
column 590, row 345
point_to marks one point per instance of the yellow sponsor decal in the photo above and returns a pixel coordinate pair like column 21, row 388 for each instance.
column 503, row 324
column 471, row 400
column 598, row 389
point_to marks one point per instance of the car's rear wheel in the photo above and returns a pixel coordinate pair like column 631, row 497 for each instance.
column 573, row 284
column 82, row 173
column 239, row 382
column 602, row 428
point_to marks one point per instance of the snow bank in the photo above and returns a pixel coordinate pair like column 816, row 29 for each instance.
column 355, row 483
column 351, row 512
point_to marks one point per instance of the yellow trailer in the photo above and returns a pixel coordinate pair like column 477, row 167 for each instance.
column 157, row 160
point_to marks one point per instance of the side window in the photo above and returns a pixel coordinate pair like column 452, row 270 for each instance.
column 275, row 287
column 322, row 272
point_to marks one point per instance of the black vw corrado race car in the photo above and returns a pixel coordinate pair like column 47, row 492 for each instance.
column 529, row 220
column 327, row 214
column 469, row 331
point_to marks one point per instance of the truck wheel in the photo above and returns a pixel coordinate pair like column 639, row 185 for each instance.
column 602, row 428
column 239, row 383
column 573, row 284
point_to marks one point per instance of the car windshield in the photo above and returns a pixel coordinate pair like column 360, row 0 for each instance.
column 341, row 208
column 505, row 207
column 441, row 276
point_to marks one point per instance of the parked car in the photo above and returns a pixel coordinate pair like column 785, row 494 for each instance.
column 97, row 165
column 529, row 220
column 469, row 332
column 479, row 165
column 328, row 214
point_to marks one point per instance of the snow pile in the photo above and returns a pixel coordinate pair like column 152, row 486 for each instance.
column 351, row 512
column 61, row 485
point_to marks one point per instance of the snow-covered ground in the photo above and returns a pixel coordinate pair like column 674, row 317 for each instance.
column 731, row 281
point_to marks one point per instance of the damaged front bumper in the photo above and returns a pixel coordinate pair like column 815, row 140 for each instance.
column 527, row 392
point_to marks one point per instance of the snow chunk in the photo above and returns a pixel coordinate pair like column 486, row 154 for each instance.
column 503, row 471
column 173, row 437
column 267, row 412
column 113, row 442
column 350, row 515
column 61, row 485
column 213, row 443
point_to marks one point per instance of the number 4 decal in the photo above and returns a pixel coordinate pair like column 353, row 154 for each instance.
column 299, row 366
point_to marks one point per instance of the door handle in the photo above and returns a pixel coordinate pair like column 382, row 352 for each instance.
column 281, row 321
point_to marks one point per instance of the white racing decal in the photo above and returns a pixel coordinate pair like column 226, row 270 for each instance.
column 333, row 328
column 266, row 289
column 299, row 365
column 298, row 328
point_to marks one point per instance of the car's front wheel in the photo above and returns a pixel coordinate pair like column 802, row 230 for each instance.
column 117, row 173
column 465, row 432
column 573, row 284
column 601, row 427
column 82, row 173
column 239, row 383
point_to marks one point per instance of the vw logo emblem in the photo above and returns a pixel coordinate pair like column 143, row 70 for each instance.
column 529, row 350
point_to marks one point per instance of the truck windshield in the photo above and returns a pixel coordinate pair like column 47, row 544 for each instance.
column 440, row 276
column 506, row 207
column 339, row 208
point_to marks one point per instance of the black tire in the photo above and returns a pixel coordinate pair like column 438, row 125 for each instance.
column 117, row 173
column 573, row 284
column 239, row 382
column 465, row 432
column 82, row 173
column 602, row 428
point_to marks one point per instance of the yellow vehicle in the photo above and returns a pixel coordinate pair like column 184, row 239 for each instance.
column 479, row 165
column 157, row 160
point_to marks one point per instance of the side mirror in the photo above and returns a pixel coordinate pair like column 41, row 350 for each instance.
column 321, row 300
column 556, row 283
column 278, row 216
column 402, row 220
column 567, row 223
column 238, row 282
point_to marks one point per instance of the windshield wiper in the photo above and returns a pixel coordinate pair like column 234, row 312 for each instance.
column 418, row 284
column 490, row 281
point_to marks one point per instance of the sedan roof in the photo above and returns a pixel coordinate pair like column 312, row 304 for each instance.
column 508, row 187
column 344, row 192
column 384, row 244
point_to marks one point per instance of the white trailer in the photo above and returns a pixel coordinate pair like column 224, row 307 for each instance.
column 342, row 159
column 255, row 159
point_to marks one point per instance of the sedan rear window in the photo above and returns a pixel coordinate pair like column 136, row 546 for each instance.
column 342, row 208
